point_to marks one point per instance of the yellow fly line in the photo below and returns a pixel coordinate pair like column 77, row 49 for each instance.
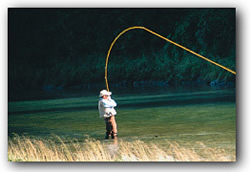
column 162, row 37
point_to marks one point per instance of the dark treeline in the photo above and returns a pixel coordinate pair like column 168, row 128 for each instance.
column 68, row 47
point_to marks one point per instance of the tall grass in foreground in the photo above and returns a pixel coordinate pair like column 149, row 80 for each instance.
column 32, row 149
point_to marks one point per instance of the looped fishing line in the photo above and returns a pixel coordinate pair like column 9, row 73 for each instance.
column 162, row 37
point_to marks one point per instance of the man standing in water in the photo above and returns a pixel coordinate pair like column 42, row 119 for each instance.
column 107, row 111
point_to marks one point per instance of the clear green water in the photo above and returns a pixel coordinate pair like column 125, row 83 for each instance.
column 208, row 116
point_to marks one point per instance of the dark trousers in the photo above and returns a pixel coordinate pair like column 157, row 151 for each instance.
column 109, row 127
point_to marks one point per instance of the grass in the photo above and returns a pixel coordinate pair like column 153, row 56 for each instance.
column 57, row 149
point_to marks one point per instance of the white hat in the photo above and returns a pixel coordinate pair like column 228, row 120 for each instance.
column 104, row 92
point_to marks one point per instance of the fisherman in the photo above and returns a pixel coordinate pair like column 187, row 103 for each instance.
column 107, row 111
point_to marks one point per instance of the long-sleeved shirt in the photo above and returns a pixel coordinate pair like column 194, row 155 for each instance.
column 106, row 106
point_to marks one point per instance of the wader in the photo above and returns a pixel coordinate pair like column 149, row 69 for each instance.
column 109, row 129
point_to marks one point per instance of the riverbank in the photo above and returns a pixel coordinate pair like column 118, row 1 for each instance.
column 23, row 148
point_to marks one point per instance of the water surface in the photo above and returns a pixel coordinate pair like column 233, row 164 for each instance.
column 186, row 116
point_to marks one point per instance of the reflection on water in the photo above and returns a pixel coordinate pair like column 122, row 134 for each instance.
column 113, row 146
column 41, row 94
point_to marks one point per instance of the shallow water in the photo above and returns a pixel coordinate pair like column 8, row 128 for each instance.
column 186, row 116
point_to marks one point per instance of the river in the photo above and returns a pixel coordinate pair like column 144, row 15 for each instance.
column 153, row 115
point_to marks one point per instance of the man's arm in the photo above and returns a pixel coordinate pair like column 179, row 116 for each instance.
column 109, row 103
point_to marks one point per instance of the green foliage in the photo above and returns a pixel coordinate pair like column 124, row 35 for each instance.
column 212, row 34
column 68, row 46
column 209, row 32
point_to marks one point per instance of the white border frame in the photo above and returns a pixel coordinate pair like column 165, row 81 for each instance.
column 243, row 113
